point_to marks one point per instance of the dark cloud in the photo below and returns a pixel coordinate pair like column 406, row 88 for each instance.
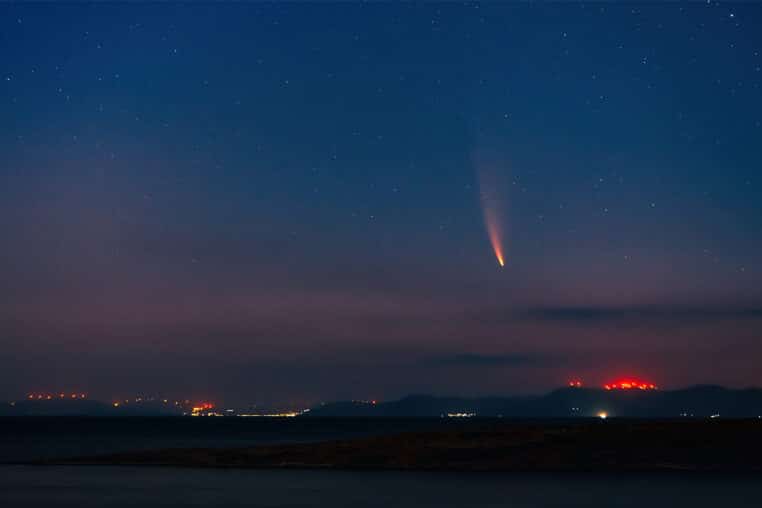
column 511, row 360
column 584, row 315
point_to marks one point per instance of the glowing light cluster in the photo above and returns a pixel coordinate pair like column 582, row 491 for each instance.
column 289, row 414
column 575, row 383
column 140, row 400
column 630, row 384
column 202, row 408
column 461, row 415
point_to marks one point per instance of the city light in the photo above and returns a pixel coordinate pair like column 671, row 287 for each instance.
column 461, row 415
column 52, row 395
column 289, row 414
column 203, row 409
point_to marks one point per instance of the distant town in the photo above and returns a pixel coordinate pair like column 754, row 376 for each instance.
column 147, row 404
column 629, row 398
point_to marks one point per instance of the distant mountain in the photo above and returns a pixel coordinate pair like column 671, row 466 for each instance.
column 697, row 401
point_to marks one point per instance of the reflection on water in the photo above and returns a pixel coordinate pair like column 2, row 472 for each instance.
column 91, row 486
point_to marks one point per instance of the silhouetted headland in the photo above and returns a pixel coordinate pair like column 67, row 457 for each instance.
column 581, row 446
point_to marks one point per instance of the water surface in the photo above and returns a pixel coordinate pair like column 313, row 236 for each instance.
column 91, row 486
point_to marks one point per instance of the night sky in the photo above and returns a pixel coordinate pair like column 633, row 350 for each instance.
column 287, row 202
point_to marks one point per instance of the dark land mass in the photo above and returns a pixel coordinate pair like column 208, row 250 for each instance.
column 697, row 401
column 601, row 446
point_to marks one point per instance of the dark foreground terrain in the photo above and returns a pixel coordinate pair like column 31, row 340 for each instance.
column 603, row 446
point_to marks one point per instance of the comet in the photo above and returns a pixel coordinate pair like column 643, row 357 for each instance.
column 492, row 211
column 494, row 234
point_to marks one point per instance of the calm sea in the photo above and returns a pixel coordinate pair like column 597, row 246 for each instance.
column 117, row 487
column 110, row 486
column 30, row 438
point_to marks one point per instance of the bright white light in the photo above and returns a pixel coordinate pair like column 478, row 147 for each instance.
column 603, row 415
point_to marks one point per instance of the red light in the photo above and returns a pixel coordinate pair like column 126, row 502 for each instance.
column 630, row 384
column 575, row 383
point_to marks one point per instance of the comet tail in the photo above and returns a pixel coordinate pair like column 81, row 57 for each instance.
column 492, row 216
